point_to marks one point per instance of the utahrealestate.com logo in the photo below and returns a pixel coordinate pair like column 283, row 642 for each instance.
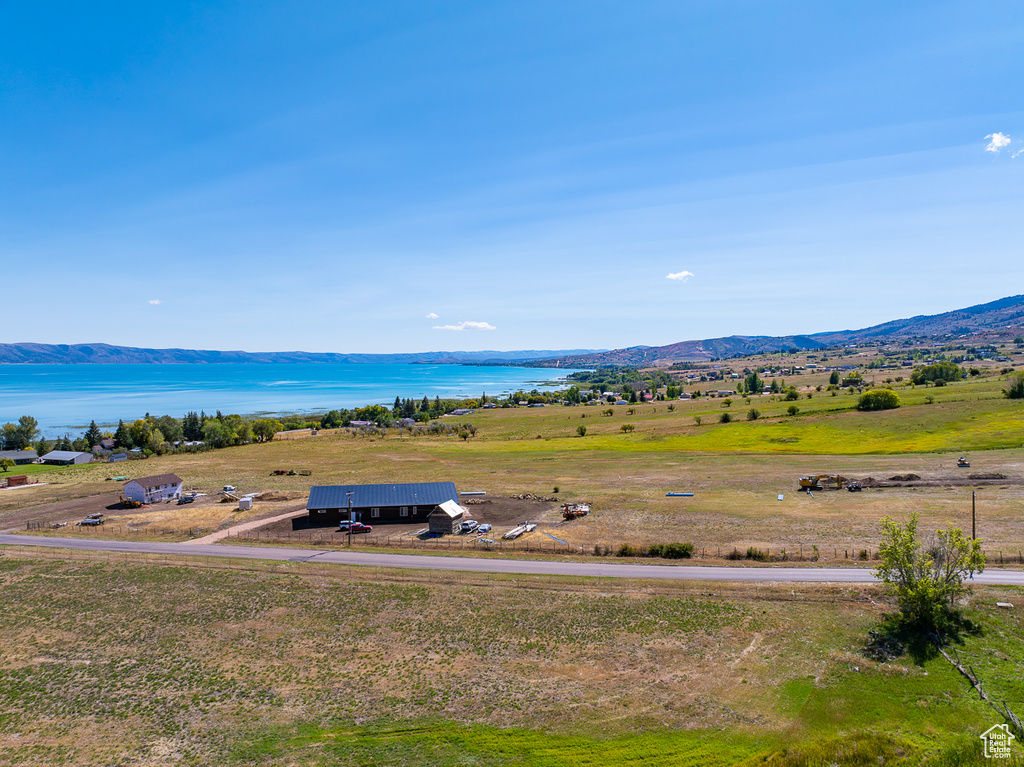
column 997, row 741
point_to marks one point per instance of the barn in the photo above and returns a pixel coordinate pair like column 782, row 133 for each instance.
column 66, row 457
column 159, row 487
column 378, row 504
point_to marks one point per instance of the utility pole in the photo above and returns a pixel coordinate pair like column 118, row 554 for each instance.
column 974, row 518
column 349, row 519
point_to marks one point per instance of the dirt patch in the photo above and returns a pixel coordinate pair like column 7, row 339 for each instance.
column 905, row 478
column 987, row 475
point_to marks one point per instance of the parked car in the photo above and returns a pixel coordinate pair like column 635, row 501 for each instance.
column 185, row 499
column 469, row 526
column 357, row 527
column 484, row 528
column 89, row 523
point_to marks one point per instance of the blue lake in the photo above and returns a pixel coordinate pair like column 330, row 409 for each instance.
column 64, row 398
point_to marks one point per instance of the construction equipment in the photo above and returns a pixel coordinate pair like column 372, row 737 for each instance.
column 130, row 503
column 821, row 481
column 575, row 510
column 963, row 463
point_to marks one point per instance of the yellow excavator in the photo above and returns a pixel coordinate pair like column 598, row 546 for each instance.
column 130, row 503
column 822, row 481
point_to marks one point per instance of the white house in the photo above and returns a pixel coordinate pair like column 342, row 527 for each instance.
column 160, row 487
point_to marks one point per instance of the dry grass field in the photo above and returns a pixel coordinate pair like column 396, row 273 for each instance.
column 308, row 664
column 627, row 475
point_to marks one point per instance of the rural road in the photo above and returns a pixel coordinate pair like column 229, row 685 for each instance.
column 484, row 565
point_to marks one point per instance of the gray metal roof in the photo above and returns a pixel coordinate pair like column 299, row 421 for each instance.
column 368, row 496
column 18, row 455
column 63, row 455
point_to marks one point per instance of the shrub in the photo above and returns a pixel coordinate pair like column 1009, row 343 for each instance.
column 625, row 550
column 727, row 402
column 671, row 407
column 581, row 431
column 1015, row 389
column 609, row 411
column 671, row 550
column 697, row 420
column 792, row 410
column 626, row 428
column 753, row 414
column 792, row 394
column 555, row 490
column 879, row 399
column 724, row 418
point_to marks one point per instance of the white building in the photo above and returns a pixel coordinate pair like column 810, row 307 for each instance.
column 160, row 487
column 66, row 457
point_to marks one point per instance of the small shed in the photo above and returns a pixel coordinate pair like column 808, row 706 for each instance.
column 446, row 518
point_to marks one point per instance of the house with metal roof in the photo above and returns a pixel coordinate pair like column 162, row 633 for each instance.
column 159, row 487
column 378, row 504
column 66, row 457
column 19, row 457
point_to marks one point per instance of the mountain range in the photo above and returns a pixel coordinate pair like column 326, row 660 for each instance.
column 1002, row 319
column 995, row 320
column 76, row 354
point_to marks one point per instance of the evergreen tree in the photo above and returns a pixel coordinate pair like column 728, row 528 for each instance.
column 93, row 435
column 833, row 379
column 42, row 447
column 425, row 405
column 397, row 409
column 122, row 437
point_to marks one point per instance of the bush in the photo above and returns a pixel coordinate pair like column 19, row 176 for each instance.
column 662, row 550
column 1015, row 389
column 671, row 550
column 879, row 399
column 753, row 414
column 697, row 420
column 724, row 418
column 727, row 402
column 626, row 428
column 792, row 410
column 581, row 431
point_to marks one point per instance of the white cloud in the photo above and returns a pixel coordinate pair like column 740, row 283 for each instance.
column 155, row 302
column 1017, row 154
column 679, row 276
column 999, row 140
column 431, row 316
column 467, row 325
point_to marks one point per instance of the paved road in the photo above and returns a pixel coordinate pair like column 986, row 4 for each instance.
column 486, row 565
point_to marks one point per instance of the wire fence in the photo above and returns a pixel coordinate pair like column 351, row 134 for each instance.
column 527, row 544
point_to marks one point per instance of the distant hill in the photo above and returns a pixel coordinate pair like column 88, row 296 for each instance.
column 77, row 354
column 998, row 319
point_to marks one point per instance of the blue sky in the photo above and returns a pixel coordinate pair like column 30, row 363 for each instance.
column 409, row 176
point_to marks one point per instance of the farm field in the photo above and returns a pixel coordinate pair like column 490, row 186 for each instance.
column 284, row 664
column 627, row 474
